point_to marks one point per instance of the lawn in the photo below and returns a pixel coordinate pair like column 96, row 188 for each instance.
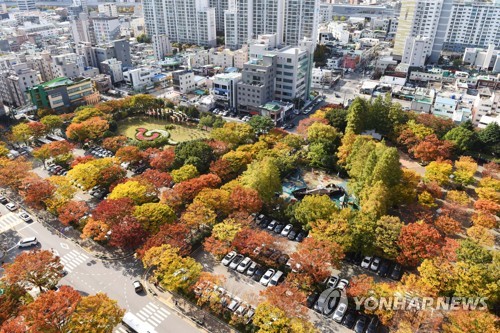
column 180, row 133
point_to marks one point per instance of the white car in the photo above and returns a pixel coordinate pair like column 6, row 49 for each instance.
column 286, row 230
column 27, row 242
column 244, row 264
column 236, row 261
column 264, row 280
column 234, row 304
column 340, row 312
column 366, row 262
column 332, row 281
column 11, row 206
column 228, row 258
column 343, row 283
column 25, row 217
column 375, row 265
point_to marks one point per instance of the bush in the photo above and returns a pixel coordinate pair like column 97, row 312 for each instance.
column 157, row 143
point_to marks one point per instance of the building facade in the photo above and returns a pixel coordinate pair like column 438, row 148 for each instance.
column 225, row 90
column 301, row 21
column 183, row 81
column 106, row 29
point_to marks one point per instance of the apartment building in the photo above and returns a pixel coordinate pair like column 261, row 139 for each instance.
column 416, row 51
column 118, row 49
column 485, row 59
column 108, row 9
column 183, row 81
column 113, row 68
column 257, row 83
column 224, row 90
column 141, row 78
column 70, row 65
column 106, row 28
column 183, row 21
column 63, row 94
column 26, row 5
column 220, row 7
column 14, row 83
column 161, row 46
column 301, row 21
column 486, row 104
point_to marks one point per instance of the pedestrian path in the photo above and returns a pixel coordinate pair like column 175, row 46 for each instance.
column 153, row 314
column 73, row 259
column 8, row 221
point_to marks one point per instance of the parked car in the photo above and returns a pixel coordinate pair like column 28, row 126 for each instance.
column 27, row 242
column 235, row 302
column 244, row 264
column 242, row 309
column 282, row 260
column 3, row 200
column 301, row 236
column 279, row 228
column 267, row 277
column 265, row 223
column 375, row 265
column 384, row 268
column 138, row 286
column 332, row 281
column 228, row 258
column 311, row 299
column 236, row 261
column 343, row 283
column 272, row 225
column 360, row 324
column 286, row 230
column 338, row 315
column 292, row 234
column 259, row 273
column 275, row 255
column 252, row 269
column 349, row 319
column 259, row 218
column 373, row 325
column 397, row 272
column 25, row 217
column 366, row 262
column 249, row 315
column 277, row 278
column 11, row 206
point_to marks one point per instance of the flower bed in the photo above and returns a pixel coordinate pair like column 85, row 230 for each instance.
column 143, row 134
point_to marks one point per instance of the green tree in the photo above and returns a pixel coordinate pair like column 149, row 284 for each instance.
column 96, row 313
column 185, row 172
column 52, row 122
column 471, row 252
column 463, row 138
column 173, row 272
column 357, row 116
column 22, row 133
column 337, row 118
column 375, row 200
column 387, row 234
column 388, row 170
column 197, row 153
column 321, row 133
column 263, row 176
column 490, row 138
column 234, row 134
column 313, row 208
column 261, row 124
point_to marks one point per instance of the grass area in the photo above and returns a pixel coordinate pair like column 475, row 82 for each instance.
column 179, row 134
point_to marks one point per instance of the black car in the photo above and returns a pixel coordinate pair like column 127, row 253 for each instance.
column 300, row 237
column 311, row 299
column 361, row 324
column 292, row 234
column 258, row 273
column 358, row 258
column 397, row 272
column 283, row 259
column 279, row 228
column 3, row 200
column 384, row 268
column 140, row 169
column 349, row 319
column 264, row 223
column 373, row 325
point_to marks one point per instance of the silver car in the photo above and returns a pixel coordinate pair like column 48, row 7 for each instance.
column 264, row 280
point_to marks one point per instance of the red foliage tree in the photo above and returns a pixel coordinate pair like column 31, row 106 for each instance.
column 222, row 168
column 487, row 206
column 185, row 191
column 431, row 149
column 314, row 255
column 305, row 123
column 60, row 148
column 157, row 178
column 216, row 246
column 162, row 160
column 176, row 234
column 128, row 234
column 439, row 125
column 82, row 159
column 418, row 241
column 449, row 249
column 36, row 191
column 408, row 139
column 247, row 240
column 72, row 212
column 246, row 199
column 111, row 175
column 434, row 189
column 360, row 286
column 447, row 225
column 115, row 142
column 218, row 147
column 288, row 298
column 37, row 128
column 415, row 212
column 113, row 211
column 129, row 154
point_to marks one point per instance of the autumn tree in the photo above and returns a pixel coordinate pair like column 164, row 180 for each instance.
column 139, row 192
column 465, row 168
column 162, row 160
column 246, row 199
column 96, row 313
column 336, row 228
column 72, row 212
column 387, row 234
column 90, row 129
column 39, row 268
column 186, row 191
column 418, row 241
column 22, row 133
column 198, row 215
column 439, row 172
column 470, row 321
column 128, row 234
column 261, row 124
column 360, row 286
column 447, row 225
column 52, row 311
column 114, row 143
column 129, row 154
column 10, row 301
column 197, row 153
column 431, row 149
column 13, row 172
column 88, row 174
column 153, row 215
column 481, row 234
column 36, row 191
column 113, row 211
column 234, row 134
column 312, row 255
column 95, row 229
column 157, row 178
column 176, row 234
column 247, row 240
column 185, row 172
column 357, row 117
column 219, row 243
column 288, row 298
column 313, row 208
column 172, row 271
column 52, row 122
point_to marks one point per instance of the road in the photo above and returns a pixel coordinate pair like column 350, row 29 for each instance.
column 90, row 275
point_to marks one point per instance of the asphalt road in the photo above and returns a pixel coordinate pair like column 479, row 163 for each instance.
column 90, row 275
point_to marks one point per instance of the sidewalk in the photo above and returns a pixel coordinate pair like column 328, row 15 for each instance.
column 202, row 319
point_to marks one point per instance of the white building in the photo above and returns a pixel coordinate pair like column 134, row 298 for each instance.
column 161, row 46
column 14, row 82
column 106, row 29
column 339, row 31
column 113, row 68
column 81, row 29
column 108, row 9
column 240, row 57
column 183, row 21
column 220, row 7
column 225, row 89
column 445, row 105
column 224, row 58
column 486, row 104
column 26, row 5
column 301, row 21
column 140, row 78
column 70, row 65
column 416, row 51
column 484, row 59
column 183, row 81
column 321, row 78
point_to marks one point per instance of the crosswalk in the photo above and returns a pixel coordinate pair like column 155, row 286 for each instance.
column 72, row 259
column 8, row 221
column 151, row 314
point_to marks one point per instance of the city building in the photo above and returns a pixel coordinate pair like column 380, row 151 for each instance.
column 82, row 29
column 220, row 7
column 183, row 81
column 141, row 78
column 183, row 21
column 26, row 5
column 70, row 65
column 484, row 59
column 118, row 49
column 224, row 90
column 62, row 94
column 14, row 83
column 257, row 84
column 113, row 68
column 106, row 29
column 486, row 104
column 108, row 9
column 161, row 46
column 301, row 21
column 102, row 83
column 416, row 51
